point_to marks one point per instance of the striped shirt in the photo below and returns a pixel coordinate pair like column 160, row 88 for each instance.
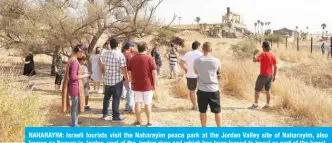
column 173, row 58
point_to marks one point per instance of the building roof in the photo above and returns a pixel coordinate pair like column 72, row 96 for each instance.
column 284, row 29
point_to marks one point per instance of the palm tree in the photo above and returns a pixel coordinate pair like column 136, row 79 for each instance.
column 197, row 19
column 307, row 29
column 262, row 23
column 255, row 27
column 326, row 33
column 268, row 23
column 323, row 27
column 258, row 23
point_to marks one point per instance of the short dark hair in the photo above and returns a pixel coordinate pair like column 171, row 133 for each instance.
column 114, row 43
column 266, row 45
column 195, row 45
column 207, row 47
column 142, row 47
column 98, row 50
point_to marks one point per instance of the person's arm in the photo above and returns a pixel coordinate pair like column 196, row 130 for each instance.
column 74, row 69
column 125, row 73
column 183, row 66
column 123, row 67
column 154, row 77
column 275, row 72
column 254, row 58
column 153, row 67
column 182, row 63
column 195, row 69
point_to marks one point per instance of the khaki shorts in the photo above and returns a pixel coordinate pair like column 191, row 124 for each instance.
column 144, row 97
column 263, row 81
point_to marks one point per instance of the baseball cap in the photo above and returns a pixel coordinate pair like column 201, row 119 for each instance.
column 129, row 44
column 266, row 45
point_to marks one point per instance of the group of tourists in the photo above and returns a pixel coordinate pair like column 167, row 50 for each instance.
column 136, row 73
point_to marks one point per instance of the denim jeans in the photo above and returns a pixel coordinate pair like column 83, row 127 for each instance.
column 129, row 98
column 116, row 92
column 74, row 110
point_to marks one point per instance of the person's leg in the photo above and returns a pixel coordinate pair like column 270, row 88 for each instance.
column 193, row 99
column 106, row 102
column 129, row 99
column 74, row 111
column 98, row 86
column 94, row 86
column 138, row 100
column 203, row 119
column 117, row 92
column 260, row 82
column 214, row 102
column 147, row 98
column 268, row 86
column 86, row 100
column 202, row 101
column 191, row 84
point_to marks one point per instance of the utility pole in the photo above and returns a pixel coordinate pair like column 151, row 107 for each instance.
column 179, row 20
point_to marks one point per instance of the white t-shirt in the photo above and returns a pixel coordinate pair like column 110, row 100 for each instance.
column 189, row 58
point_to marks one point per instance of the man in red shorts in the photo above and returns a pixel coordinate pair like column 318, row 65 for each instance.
column 268, row 72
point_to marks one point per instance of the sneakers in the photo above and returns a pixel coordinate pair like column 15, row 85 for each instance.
column 120, row 119
column 107, row 118
column 253, row 107
column 87, row 108
column 267, row 106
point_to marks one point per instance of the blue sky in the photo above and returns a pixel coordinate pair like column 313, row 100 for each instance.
column 281, row 13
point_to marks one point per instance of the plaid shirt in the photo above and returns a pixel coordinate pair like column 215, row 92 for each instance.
column 113, row 61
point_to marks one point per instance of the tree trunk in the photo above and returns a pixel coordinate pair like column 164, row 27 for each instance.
column 94, row 41
column 92, row 44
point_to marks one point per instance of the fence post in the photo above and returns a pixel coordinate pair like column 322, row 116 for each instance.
column 278, row 42
column 311, row 44
column 271, row 43
column 297, row 44
column 331, row 46
column 286, row 42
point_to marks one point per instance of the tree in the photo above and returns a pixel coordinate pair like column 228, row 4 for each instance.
column 326, row 33
column 255, row 27
column 258, row 22
column 262, row 24
column 323, row 27
column 41, row 25
column 197, row 20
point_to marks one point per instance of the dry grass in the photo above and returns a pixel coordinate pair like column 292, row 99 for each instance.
column 179, row 88
column 316, row 73
column 290, row 94
column 292, row 55
column 18, row 108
